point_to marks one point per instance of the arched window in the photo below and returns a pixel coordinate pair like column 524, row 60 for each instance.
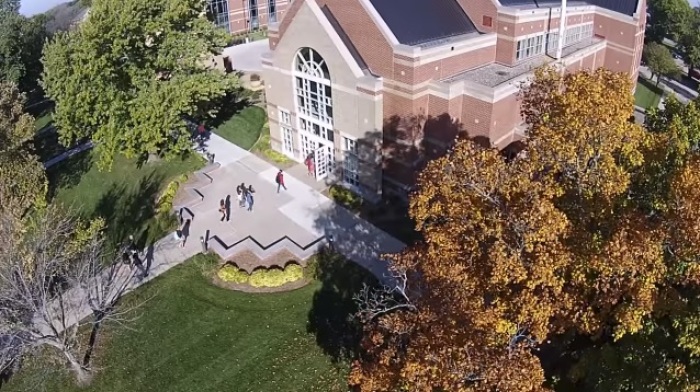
column 309, row 62
column 313, row 93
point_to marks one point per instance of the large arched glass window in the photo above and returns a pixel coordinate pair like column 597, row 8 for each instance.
column 313, row 88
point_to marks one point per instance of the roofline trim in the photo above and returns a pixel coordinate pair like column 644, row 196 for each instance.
column 333, row 35
column 379, row 22
column 532, row 15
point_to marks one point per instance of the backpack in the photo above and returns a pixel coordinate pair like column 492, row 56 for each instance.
column 278, row 177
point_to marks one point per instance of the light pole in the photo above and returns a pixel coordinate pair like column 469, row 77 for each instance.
column 562, row 29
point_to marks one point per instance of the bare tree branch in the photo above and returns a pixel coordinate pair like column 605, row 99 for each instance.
column 56, row 277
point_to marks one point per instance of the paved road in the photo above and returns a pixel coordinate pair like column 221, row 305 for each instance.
column 247, row 57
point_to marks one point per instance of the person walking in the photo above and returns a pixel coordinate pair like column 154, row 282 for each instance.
column 239, row 195
column 139, row 264
column 222, row 209
column 280, row 181
column 309, row 162
column 249, row 200
column 184, row 232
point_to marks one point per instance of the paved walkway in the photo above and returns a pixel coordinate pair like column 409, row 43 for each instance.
column 299, row 220
column 247, row 57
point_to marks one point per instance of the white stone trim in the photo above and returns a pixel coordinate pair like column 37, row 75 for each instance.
column 379, row 22
column 335, row 86
column 513, row 15
column 430, row 55
column 335, row 38
column 620, row 48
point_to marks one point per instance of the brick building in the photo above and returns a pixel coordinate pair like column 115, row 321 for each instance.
column 238, row 16
column 374, row 88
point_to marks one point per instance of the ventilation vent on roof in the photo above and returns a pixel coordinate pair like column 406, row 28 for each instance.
column 501, row 73
column 487, row 21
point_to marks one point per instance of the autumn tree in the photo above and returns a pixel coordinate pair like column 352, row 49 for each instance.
column 129, row 73
column 22, row 179
column 550, row 244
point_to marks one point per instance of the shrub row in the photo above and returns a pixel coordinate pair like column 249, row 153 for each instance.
column 345, row 197
column 261, row 277
column 165, row 201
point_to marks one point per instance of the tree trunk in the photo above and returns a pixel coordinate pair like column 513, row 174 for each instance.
column 82, row 375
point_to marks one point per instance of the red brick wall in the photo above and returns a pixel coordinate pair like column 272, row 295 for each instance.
column 364, row 34
column 505, row 117
column 446, row 67
column 476, row 10
column 476, row 116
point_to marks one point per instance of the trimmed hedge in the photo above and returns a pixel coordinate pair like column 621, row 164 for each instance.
column 233, row 274
column 262, row 277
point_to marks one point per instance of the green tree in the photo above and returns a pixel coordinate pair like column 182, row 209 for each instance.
column 130, row 72
column 660, row 61
column 21, row 43
column 22, row 178
column 668, row 19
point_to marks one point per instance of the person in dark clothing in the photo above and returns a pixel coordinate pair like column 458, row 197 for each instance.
column 222, row 209
column 139, row 264
column 279, row 179
column 249, row 200
column 184, row 232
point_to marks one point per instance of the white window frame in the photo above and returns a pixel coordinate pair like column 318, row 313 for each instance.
column 529, row 47
column 351, row 163
column 285, row 117
column 287, row 140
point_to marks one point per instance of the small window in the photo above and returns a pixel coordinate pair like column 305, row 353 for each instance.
column 285, row 117
column 487, row 21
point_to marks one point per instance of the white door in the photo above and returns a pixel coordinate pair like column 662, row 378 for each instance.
column 287, row 145
column 308, row 145
column 324, row 161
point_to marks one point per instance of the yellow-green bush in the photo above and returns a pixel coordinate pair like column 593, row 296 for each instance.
column 261, row 277
column 232, row 274
column 165, row 201
column 275, row 277
column 293, row 272
column 345, row 197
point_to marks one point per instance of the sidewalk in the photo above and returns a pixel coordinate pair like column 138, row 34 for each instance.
column 299, row 219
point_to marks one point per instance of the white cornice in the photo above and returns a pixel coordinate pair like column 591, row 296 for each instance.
column 379, row 22
column 422, row 56
column 335, row 38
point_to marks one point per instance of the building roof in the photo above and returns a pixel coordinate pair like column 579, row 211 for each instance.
column 344, row 37
column 627, row 7
column 415, row 22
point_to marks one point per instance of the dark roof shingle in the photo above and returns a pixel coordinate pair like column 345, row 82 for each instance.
column 415, row 22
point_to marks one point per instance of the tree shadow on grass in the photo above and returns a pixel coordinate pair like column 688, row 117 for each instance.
column 128, row 210
column 225, row 107
column 68, row 173
column 331, row 316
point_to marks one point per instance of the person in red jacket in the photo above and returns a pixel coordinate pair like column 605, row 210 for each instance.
column 280, row 181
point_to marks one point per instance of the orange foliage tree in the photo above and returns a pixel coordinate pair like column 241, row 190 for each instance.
column 517, row 252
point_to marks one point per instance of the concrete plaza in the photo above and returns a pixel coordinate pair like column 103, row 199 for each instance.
column 299, row 219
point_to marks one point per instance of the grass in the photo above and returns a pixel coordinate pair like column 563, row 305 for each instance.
column 125, row 197
column 244, row 127
column 647, row 95
column 43, row 121
column 193, row 336
column 264, row 149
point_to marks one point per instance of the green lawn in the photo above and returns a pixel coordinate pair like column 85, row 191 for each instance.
column 243, row 128
column 647, row 94
column 43, row 121
column 193, row 336
column 125, row 197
